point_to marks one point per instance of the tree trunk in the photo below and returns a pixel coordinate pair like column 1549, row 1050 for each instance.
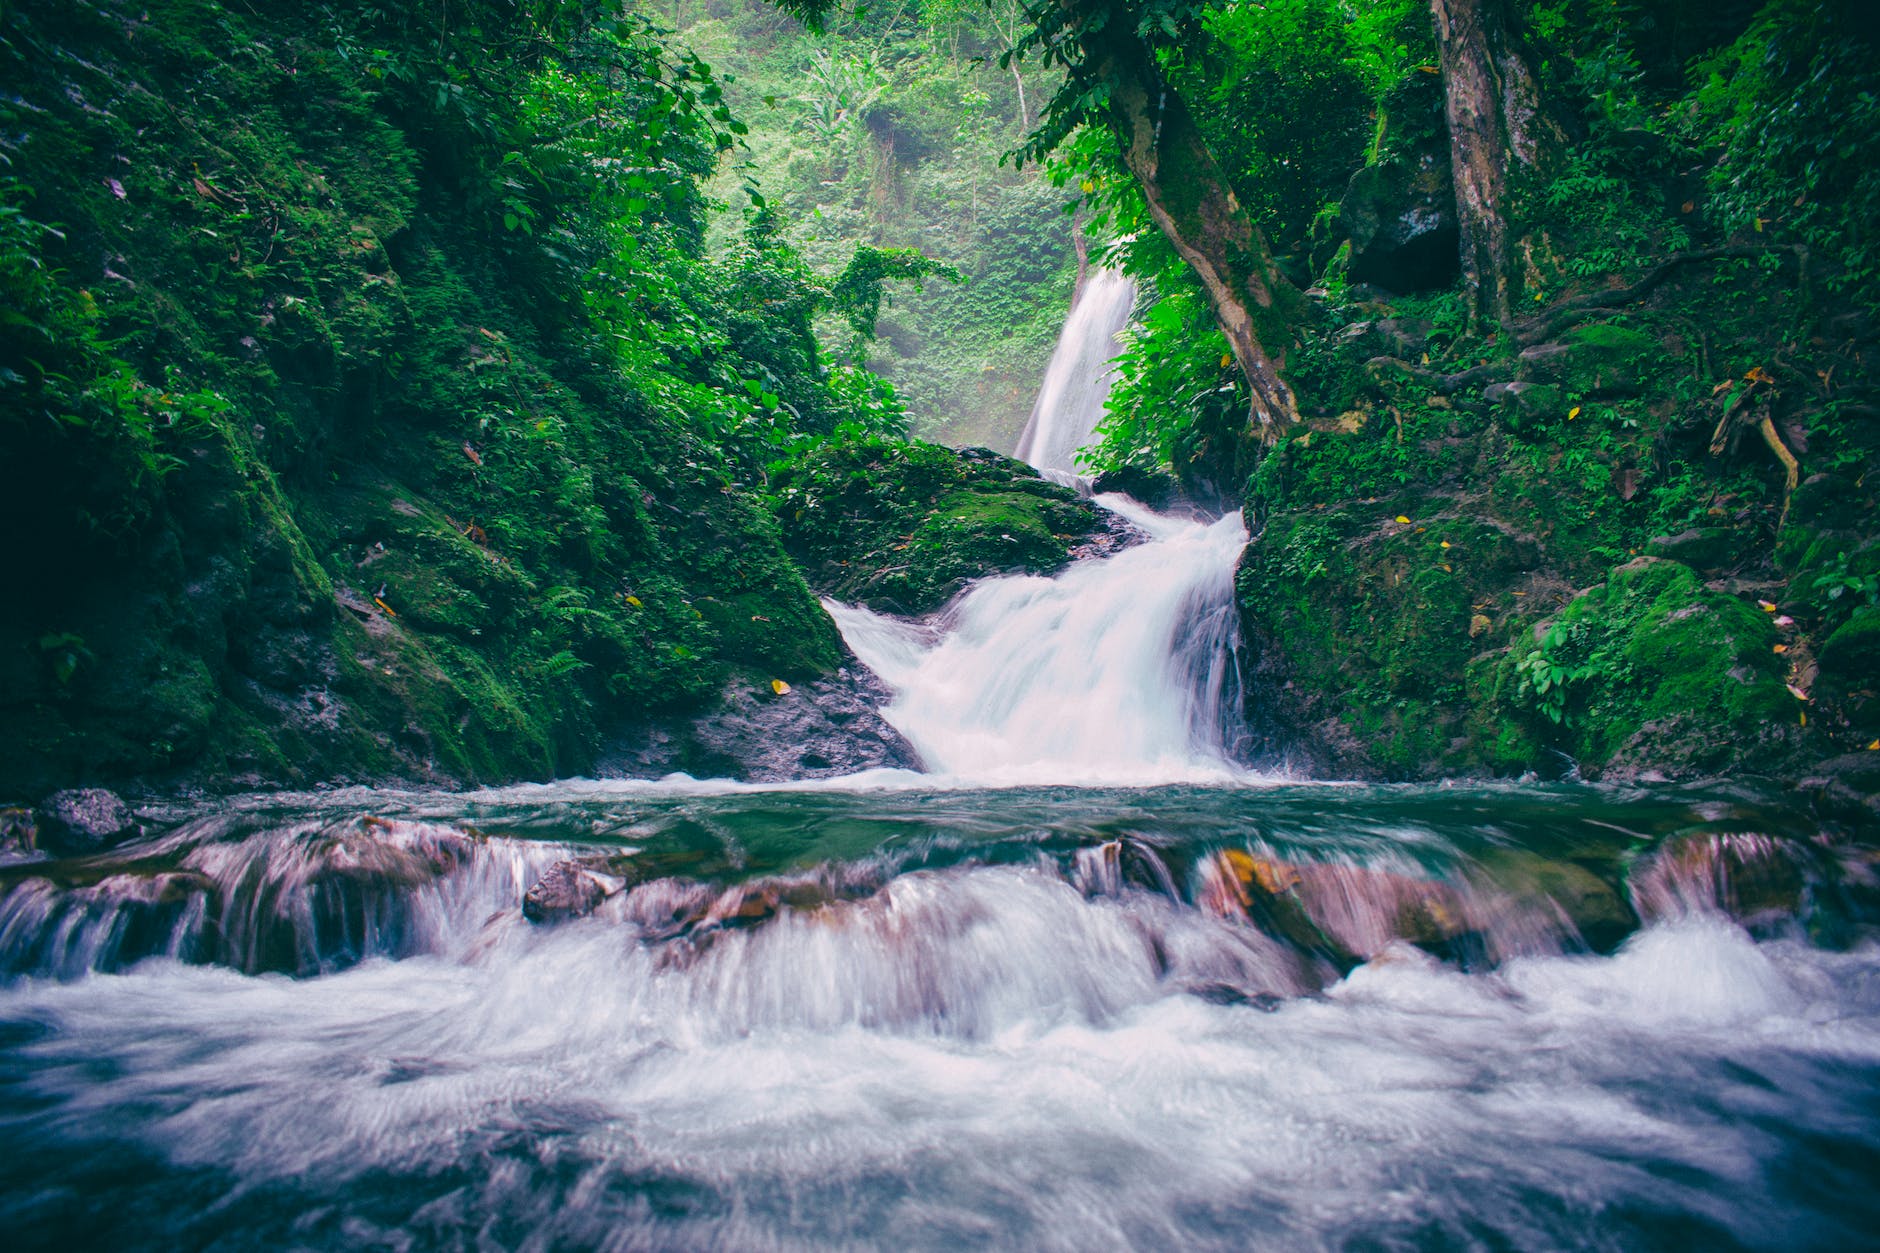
column 1499, row 140
column 1191, row 203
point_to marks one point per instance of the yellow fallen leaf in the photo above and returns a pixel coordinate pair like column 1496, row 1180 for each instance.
column 1573, row 413
column 779, row 686
column 1445, row 543
column 1797, row 692
column 1804, row 715
column 1766, row 606
column 634, row 601
column 1781, row 648
column 389, row 611
column 1874, row 747
column 1447, row 568
column 1403, row 519
column 1227, row 359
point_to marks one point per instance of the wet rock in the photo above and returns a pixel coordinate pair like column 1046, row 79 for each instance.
column 1758, row 879
column 569, row 890
column 18, row 832
column 1847, row 788
column 817, row 730
column 1594, row 907
column 85, row 820
column 1154, row 488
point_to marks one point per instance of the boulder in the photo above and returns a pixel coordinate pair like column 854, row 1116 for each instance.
column 1847, row 788
column 1704, row 548
column 1400, row 216
column 1527, row 402
column 18, row 832
column 569, row 890
column 817, row 730
column 1592, row 360
column 85, row 820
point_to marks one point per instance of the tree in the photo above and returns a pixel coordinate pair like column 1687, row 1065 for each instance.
column 1500, row 141
column 1114, row 79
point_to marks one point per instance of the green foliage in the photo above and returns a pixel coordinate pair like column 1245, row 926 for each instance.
column 1548, row 672
column 1177, row 393
column 1794, row 106
column 885, row 132
column 859, row 290
column 1291, row 89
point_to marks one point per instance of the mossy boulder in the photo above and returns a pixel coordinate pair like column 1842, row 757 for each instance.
column 1850, row 669
column 1365, row 626
column 1653, row 672
column 1596, row 360
column 903, row 526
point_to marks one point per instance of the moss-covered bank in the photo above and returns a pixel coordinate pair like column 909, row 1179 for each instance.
column 1577, row 550
column 316, row 466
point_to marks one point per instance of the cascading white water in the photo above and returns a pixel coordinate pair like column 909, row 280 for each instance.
column 1113, row 671
column 1077, row 381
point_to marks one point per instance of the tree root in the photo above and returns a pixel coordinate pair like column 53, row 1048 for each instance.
column 1571, row 311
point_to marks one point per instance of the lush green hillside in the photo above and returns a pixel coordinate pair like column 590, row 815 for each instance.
column 369, row 405
column 889, row 130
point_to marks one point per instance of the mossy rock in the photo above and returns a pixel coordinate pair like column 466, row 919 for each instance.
column 1593, row 360
column 1367, row 634
column 1703, row 548
column 1664, row 675
column 903, row 526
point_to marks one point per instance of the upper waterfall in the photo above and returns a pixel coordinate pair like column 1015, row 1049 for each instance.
column 1077, row 380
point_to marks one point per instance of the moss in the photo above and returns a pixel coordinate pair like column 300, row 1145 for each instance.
column 353, row 392
column 1850, row 670
column 903, row 526
column 1381, row 622
column 1667, row 674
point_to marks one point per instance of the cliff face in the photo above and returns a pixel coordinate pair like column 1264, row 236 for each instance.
column 315, row 468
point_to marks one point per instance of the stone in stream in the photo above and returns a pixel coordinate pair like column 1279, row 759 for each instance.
column 85, row 820
column 569, row 890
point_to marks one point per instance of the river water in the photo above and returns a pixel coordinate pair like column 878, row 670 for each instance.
column 885, row 1014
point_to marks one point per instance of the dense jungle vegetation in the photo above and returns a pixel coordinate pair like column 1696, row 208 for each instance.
column 442, row 390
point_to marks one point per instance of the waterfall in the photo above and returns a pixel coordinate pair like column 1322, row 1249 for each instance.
column 1117, row 670
column 1077, row 381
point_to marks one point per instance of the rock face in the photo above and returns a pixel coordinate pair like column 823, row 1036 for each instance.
column 1401, row 219
column 821, row 729
column 85, row 820
column 1399, row 212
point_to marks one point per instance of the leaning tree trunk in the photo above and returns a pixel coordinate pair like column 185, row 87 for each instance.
column 1500, row 139
column 1191, row 203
